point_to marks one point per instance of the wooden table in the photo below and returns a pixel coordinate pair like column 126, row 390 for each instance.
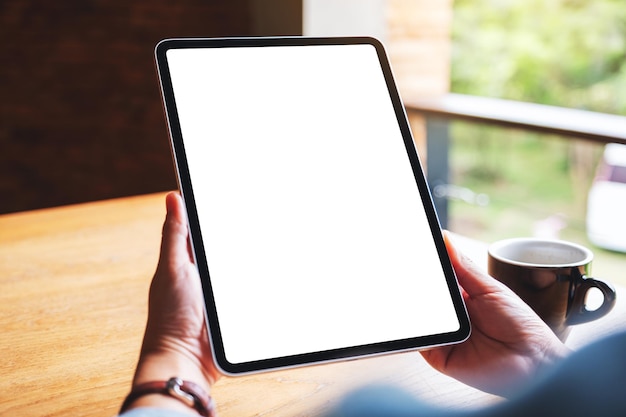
column 73, row 289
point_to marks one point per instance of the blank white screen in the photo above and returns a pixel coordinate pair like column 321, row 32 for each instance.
column 315, row 234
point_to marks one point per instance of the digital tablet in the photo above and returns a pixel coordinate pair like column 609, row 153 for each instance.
column 311, row 221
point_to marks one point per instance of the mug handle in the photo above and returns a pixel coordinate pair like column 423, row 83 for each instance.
column 578, row 311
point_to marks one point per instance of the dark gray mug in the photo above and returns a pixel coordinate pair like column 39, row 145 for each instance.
column 552, row 277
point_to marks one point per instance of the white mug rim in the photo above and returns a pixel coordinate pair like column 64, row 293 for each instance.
column 498, row 245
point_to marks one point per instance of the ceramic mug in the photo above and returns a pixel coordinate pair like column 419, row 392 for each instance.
column 552, row 277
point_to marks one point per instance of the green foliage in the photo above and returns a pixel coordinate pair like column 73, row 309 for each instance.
column 569, row 53
column 519, row 167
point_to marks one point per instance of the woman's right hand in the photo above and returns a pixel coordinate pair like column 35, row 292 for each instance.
column 508, row 343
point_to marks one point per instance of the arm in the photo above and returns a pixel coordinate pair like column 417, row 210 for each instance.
column 175, row 341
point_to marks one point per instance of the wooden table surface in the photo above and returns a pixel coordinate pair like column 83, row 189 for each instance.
column 73, row 288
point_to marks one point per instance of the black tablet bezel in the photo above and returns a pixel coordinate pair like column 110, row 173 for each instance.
column 186, row 189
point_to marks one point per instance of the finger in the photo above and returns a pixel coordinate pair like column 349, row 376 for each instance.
column 472, row 279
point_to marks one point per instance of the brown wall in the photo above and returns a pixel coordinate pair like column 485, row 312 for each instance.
column 80, row 111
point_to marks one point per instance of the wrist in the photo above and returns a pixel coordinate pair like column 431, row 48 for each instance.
column 162, row 365
column 553, row 352
column 159, row 394
column 162, row 402
column 556, row 352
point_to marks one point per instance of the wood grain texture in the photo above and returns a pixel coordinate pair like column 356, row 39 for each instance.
column 73, row 285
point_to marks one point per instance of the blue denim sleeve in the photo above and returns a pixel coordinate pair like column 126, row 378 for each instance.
column 589, row 383
column 386, row 401
column 152, row 412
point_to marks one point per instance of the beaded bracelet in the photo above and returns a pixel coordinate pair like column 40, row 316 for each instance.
column 187, row 392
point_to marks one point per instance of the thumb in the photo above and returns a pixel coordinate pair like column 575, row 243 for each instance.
column 472, row 279
column 174, row 237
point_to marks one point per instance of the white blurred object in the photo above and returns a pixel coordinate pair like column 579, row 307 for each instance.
column 455, row 192
column 606, row 203
column 550, row 227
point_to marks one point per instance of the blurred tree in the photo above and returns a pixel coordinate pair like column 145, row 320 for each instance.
column 569, row 53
